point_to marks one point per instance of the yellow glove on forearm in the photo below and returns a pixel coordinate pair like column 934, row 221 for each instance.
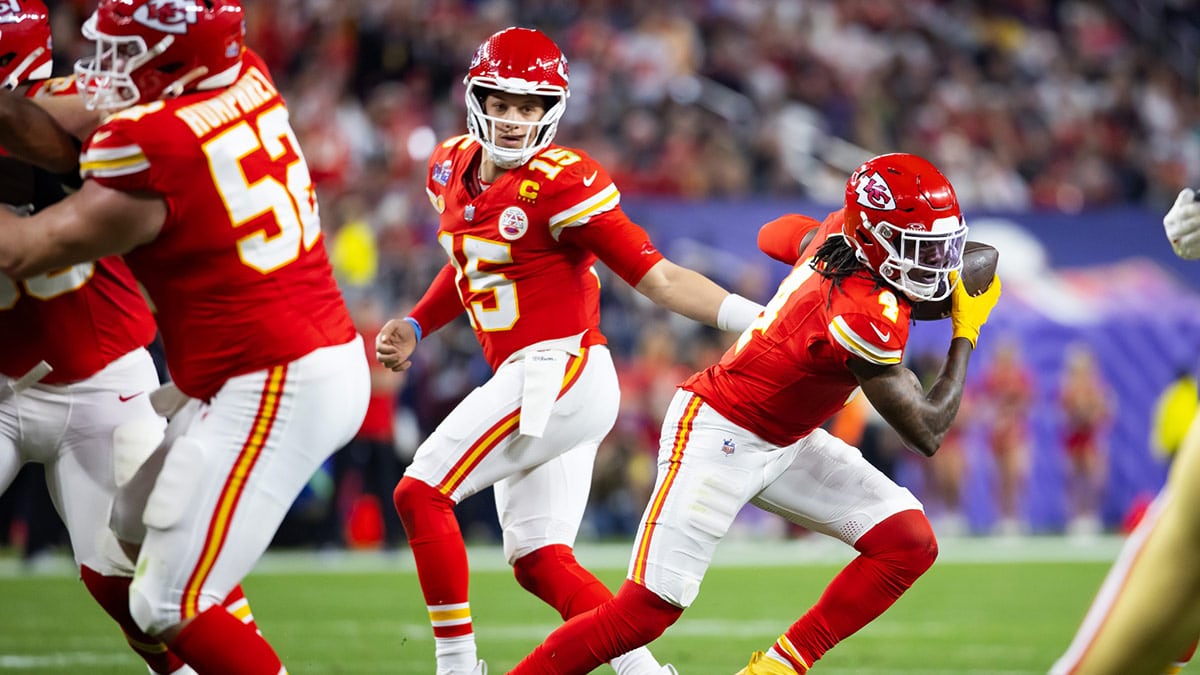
column 968, row 314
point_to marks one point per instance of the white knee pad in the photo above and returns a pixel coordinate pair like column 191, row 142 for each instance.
column 133, row 443
column 176, row 483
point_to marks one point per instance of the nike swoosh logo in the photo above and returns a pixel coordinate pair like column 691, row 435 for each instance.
column 129, row 397
column 882, row 336
column 587, row 182
column 100, row 135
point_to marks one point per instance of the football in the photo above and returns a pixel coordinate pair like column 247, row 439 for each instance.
column 979, row 267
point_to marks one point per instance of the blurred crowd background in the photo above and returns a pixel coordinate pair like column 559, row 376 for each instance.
column 1047, row 106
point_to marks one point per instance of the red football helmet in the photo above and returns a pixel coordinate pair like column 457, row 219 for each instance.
column 902, row 218
column 516, row 61
column 24, row 42
column 148, row 50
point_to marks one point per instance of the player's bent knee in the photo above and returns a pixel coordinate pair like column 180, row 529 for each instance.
column 423, row 510
column 905, row 541
column 643, row 613
column 410, row 494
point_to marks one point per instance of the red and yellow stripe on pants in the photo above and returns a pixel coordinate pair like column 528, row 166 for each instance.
column 683, row 433
column 231, row 492
column 499, row 431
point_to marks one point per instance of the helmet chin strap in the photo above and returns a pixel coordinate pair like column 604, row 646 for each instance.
column 176, row 88
column 15, row 78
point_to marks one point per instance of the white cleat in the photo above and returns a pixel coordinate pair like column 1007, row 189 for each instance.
column 668, row 670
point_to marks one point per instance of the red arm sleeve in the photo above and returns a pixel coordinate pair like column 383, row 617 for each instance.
column 617, row 241
column 781, row 238
column 440, row 304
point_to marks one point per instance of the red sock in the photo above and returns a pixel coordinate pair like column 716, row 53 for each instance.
column 112, row 593
column 633, row 618
column 894, row 554
column 439, row 553
column 552, row 574
column 236, row 604
column 217, row 642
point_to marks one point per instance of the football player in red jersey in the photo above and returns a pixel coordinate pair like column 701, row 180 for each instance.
column 1146, row 615
column 747, row 430
column 523, row 220
column 90, row 325
column 195, row 176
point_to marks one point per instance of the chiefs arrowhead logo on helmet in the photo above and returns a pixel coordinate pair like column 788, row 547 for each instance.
column 874, row 193
column 169, row 16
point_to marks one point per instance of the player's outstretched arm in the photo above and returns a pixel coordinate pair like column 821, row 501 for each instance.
column 92, row 223
column 1182, row 224
column 30, row 134
column 697, row 297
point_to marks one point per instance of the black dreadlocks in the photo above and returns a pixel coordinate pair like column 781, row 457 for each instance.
column 837, row 261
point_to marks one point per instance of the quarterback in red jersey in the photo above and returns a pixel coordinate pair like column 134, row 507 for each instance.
column 746, row 430
column 523, row 221
column 196, row 177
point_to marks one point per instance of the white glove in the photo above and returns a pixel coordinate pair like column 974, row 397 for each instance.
column 1182, row 223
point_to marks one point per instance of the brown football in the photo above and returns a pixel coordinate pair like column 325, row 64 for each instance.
column 978, row 270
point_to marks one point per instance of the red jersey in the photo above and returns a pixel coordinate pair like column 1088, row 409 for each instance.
column 78, row 319
column 238, row 273
column 521, row 251
column 787, row 373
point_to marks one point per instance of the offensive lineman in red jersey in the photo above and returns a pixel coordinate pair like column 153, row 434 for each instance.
column 523, row 221
column 747, row 430
column 90, row 324
column 197, row 178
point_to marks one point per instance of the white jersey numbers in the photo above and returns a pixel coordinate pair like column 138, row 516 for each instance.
column 45, row 286
column 795, row 279
column 293, row 205
column 502, row 311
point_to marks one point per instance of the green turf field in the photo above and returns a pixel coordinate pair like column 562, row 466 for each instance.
column 985, row 607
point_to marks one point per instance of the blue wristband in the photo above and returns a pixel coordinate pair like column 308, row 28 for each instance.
column 416, row 326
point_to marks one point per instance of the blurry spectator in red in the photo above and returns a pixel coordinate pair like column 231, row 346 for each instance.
column 1006, row 390
column 1085, row 400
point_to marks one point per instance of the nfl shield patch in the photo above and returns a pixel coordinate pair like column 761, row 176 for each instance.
column 441, row 173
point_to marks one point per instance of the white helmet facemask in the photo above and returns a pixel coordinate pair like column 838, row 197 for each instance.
column 104, row 80
column 537, row 135
column 919, row 262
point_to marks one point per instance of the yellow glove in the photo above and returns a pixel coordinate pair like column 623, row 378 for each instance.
column 967, row 313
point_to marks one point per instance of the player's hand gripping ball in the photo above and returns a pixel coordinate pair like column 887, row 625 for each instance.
column 978, row 270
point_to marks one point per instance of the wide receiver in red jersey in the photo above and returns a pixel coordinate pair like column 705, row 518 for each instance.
column 523, row 221
column 196, row 177
column 747, row 430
